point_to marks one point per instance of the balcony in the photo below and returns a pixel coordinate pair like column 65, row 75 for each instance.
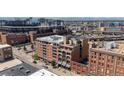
column 68, row 53
column 54, row 51
column 68, row 56
column 54, row 54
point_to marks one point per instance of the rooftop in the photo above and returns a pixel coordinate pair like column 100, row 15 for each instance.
column 22, row 69
column 4, row 45
column 52, row 39
column 9, row 64
column 118, row 48
column 43, row 72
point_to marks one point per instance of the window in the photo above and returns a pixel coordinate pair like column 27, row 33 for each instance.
column 74, row 68
column 112, row 61
column 95, row 53
column 108, row 65
column 112, row 57
column 118, row 58
column 78, row 72
column 68, row 53
column 79, row 66
column 107, row 71
column 122, row 59
column 91, row 60
column 102, row 64
column 74, row 64
column 54, row 56
column 102, row 70
column 99, row 63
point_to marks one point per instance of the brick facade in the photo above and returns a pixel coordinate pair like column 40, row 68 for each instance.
column 79, row 68
column 13, row 38
column 105, row 63
column 64, row 52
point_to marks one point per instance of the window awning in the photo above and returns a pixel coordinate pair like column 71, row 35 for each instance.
column 68, row 65
column 64, row 64
column 59, row 62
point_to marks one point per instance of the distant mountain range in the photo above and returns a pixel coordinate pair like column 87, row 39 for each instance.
column 69, row 18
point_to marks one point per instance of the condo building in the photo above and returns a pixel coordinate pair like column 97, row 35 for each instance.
column 5, row 52
column 106, row 58
column 65, row 50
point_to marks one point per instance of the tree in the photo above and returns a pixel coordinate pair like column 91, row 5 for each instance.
column 35, row 62
column 53, row 63
column 35, row 56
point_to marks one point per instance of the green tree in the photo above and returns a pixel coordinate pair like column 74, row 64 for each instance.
column 35, row 56
column 35, row 62
column 53, row 63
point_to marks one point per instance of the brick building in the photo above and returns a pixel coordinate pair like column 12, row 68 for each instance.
column 106, row 59
column 5, row 52
column 32, row 36
column 13, row 38
column 79, row 68
column 62, row 49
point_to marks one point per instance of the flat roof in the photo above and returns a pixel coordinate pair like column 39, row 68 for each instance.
column 52, row 39
column 22, row 69
column 43, row 72
column 4, row 45
column 9, row 64
column 117, row 50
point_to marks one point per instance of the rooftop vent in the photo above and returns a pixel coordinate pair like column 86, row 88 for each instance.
column 110, row 45
column 27, row 71
column 21, row 67
column 94, row 45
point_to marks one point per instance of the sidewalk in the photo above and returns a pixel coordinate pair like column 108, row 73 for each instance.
column 27, row 58
column 60, row 71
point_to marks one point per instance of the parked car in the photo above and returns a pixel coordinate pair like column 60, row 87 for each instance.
column 46, row 67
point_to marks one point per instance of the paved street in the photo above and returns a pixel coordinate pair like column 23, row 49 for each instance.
column 27, row 58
